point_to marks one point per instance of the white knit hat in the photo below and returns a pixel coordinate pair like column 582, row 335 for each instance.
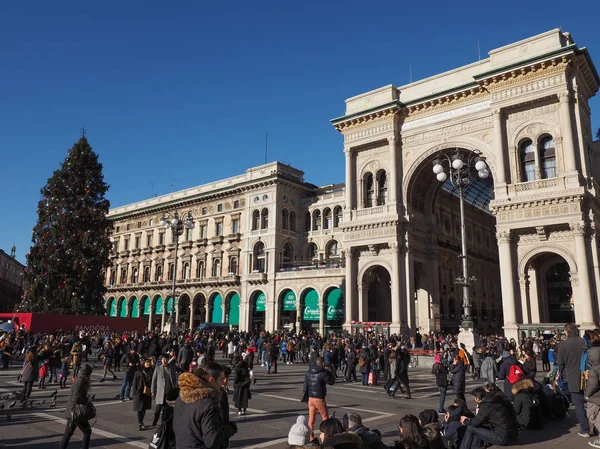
column 299, row 433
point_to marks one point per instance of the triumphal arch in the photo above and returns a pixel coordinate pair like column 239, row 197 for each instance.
column 531, row 226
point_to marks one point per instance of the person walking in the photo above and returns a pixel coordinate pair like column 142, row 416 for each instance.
column 107, row 361
column 78, row 395
column 569, row 362
column 351, row 362
column 241, row 385
column 315, row 387
column 402, row 373
column 164, row 379
column 131, row 363
column 141, row 392
column 441, row 379
column 29, row 374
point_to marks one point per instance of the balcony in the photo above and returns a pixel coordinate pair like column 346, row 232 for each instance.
column 124, row 253
column 235, row 237
column 186, row 244
column 216, row 240
column 136, row 252
column 201, row 242
column 539, row 184
column 159, row 248
column 147, row 251
column 256, row 277
column 370, row 213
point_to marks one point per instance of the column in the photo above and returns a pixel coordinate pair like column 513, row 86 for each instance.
column 507, row 277
column 322, row 315
column 567, row 132
column 150, row 318
column 525, row 298
column 298, row 315
column 349, row 295
column 396, row 320
column 393, row 174
column 176, row 311
column 191, row 317
column 534, row 300
column 409, row 290
column 595, row 261
column 164, row 312
column 499, row 148
column 584, row 310
column 207, row 316
column 362, row 316
column 350, row 180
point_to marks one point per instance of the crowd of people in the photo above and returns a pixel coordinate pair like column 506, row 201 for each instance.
column 190, row 389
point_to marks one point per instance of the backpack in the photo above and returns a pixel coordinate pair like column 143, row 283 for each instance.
column 560, row 406
column 584, row 366
column 515, row 374
column 164, row 438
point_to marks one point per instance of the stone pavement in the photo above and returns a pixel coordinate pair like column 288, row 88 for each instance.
column 274, row 406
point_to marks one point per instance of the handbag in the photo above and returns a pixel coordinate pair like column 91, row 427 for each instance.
column 304, row 396
column 20, row 376
column 83, row 412
column 147, row 391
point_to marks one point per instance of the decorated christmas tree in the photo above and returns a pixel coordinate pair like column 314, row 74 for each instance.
column 70, row 252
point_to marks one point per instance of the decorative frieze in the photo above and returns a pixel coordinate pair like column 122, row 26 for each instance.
column 531, row 87
column 445, row 132
column 369, row 131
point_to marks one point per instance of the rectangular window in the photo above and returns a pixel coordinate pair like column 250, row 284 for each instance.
column 126, row 245
column 236, row 204
column 116, row 246
column 204, row 211
column 161, row 238
column 138, row 241
column 202, row 231
column 219, row 228
column 219, row 207
column 118, row 228
column 529, row 173
column 151, row 222
column 235, row 226
column 549, row 168
column 149, row 241
column 188, row 235
column 139, row 224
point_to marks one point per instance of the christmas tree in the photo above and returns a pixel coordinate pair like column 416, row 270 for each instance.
column 71, row 245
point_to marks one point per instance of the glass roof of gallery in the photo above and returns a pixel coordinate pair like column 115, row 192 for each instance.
column 478, row 193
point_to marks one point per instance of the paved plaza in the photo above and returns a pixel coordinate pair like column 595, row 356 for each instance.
column 273, row 409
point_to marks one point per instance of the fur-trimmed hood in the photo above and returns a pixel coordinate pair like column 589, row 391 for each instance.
column 192, row 388
column 346, row 440
column 525, row 384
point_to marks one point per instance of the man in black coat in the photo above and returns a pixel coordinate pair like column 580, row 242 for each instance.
column 315, row 384
column 130, row 362
column 569, row 362
column 493, row 423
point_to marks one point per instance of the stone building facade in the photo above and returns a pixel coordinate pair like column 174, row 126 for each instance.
column 11, row 280
column 387, row 242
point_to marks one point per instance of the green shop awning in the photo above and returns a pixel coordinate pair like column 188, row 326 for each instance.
column 289, row 302
column 123, row 310
column 217, row 312
column 234, row 310
column 170, row 304
column 146, row 306
column 335, row 305
column 311, row 306
column 158, row 307
column 113, row 307
column 135, row 308
column 261, row 302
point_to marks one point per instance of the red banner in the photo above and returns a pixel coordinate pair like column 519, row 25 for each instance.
column 35, row 323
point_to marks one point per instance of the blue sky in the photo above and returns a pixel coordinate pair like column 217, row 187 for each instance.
column 182, row 93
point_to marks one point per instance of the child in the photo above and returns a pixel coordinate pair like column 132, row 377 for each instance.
column 224, row 403
column 64, row 372
column 43, row 374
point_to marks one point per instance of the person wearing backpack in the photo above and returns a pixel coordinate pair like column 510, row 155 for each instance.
column 511, row 372
column 569, row 361
column 527, row 406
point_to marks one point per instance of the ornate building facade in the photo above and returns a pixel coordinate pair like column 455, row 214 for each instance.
column 271, row 250
column 11, row 280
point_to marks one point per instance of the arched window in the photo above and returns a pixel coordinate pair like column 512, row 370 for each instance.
column 287, row 254
column 307, row 221
column 338, row 216
column 369, row 187
column 333, row 250
column 284, row 219
column 170, row 272
column 233, row 265
column 527, row 157
column 147, row 274
column 293, row 221
column 317, row 222
column 264, row 218
column 159, row 273
column 255, row 220
column 327, row 219
column 259, row 257
column 382, row 184
column 113, row 277
column 124, row 276
column 186, row 270
column 216, row 268
column 312, row 251
column 200, row 270
column 134, row 276
column 548, row 157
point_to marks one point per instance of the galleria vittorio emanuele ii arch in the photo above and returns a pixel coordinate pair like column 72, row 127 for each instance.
column 381, row 250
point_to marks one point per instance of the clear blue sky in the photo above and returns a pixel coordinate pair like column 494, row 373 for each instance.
column 181, row 93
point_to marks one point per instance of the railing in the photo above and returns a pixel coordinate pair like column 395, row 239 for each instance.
column 311, row 267
column 370, row 211
column 539, row 184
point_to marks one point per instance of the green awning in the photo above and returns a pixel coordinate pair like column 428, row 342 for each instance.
column 113, row 307
column 170, row 303
column 135, row 308
column 158, row 307
column 289, row 302
column 146, row 305
column 217, row 312
column 234, row 310
column 335, row 305
column 311, row 306
column 123, row 309
column 261, row 302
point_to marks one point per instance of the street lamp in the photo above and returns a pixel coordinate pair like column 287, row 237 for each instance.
column 177, row 225
column 458, row 168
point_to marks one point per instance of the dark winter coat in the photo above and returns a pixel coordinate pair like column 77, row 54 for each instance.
column 196, row 420
column 141, row 379
column 450, row 428
column 494, row 414
column 592, row 391
column 402, row 366
column 128, row 358
column 224, row 410
column 370, row 439
column 241, row 385
column 507, row 362
column 31, row 370
column 526, row 405
column 346, row 440
column 569, row 361
column 441, row 374
column 459, row 377
column 316, row 381
column 79, row 390
column 530, row 368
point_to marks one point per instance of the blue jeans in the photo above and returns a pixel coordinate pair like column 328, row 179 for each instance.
column 475, row 435
column 53, row 374
column 364, row 377
column 125, row 386
column 442, row 397
column 579, row 402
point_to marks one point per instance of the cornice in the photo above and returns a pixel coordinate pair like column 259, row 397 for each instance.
column 541, row 199
column 367, row 118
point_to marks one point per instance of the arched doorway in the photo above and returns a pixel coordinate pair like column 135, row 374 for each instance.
column 122, row 307
column 146, row 305
column 184, row 311
column 199, row 310
column 258, row 301
column 158, row 312
column 287, row 309
column 559, row 293
column 216, row 308
column 112, row 307
column 310, row 311
column 134, row 312
column 335, row 312
column 233, row 316
column 377, row 295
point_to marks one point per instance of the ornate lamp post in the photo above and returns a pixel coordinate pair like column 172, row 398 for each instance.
column 177, row 225
column 458, row 168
